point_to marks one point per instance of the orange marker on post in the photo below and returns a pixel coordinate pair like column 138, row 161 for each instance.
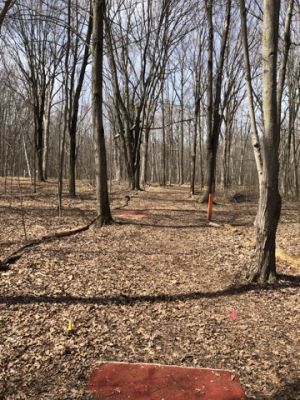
column 210, row 206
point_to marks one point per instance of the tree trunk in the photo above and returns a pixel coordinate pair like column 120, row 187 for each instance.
column 254, row 132
column 200, row 152
column 213, row 116
column 39, row 137
column 66, row 115
column 181, row 147
column 74, row 113
column 144, row 169
column 269, row 207
column 46, row 134
column 295, row 163
column 163, row 149
column 103, row 206
column 209, row 157
column 193, row 158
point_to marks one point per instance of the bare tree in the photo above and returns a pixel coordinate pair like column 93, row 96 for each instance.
column 75, row 94
column 139, row 42
column 103, row 207
column 250, row 95
column 214, row 118
column 6, row 7
column 35, row 46
column 269, row 207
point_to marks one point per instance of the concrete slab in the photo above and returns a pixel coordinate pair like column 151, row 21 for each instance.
column 122, row 381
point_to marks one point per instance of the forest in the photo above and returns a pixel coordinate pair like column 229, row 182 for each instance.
column 149, row 192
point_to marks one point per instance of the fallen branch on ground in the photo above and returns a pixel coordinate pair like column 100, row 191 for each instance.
column 13, row 257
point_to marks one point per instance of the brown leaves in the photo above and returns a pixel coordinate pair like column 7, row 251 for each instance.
column 100, row 279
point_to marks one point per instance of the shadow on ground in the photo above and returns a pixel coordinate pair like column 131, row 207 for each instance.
column 289, row 391
column 285, row 281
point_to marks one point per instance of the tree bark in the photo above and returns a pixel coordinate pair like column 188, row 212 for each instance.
column 103, row 206
column 163, row 156
column 269, row 207
column 214, row 119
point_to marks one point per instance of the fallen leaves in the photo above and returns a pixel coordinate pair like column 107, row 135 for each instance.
column 171, row 256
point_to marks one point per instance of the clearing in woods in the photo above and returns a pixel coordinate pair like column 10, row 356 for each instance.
column 161, row 286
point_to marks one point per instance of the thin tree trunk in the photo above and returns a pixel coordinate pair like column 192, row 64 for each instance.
column 74, row 114
column 144, row 168
column 26, row 157
column 295, row 164
column 103, row 206
column 39, row 145
column 194, row 145
column 181, row 156
column 200, row 153
column 66, row 116
column 209, row 160
column 284, row 59
column 254, row 132
column 214, row 118
column 163, row 164
column 46, row 135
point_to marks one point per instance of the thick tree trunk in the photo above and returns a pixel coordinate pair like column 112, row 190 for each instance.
column 103, row 206
column 270, row 201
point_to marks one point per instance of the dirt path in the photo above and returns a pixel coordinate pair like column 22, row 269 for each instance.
column 156, row 288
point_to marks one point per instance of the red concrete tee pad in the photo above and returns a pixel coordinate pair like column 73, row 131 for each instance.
column 121, row 381
column 131, row 213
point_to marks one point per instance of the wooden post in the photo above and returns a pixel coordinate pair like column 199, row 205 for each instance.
column 210, row 206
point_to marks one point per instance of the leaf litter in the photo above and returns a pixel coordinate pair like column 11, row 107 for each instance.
column 159, row 289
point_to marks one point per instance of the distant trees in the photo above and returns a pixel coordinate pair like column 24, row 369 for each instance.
column 139, row 42
column 176, row 108
column 34, row 45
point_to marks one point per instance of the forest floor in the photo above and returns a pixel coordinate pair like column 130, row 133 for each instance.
column 158, row 287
